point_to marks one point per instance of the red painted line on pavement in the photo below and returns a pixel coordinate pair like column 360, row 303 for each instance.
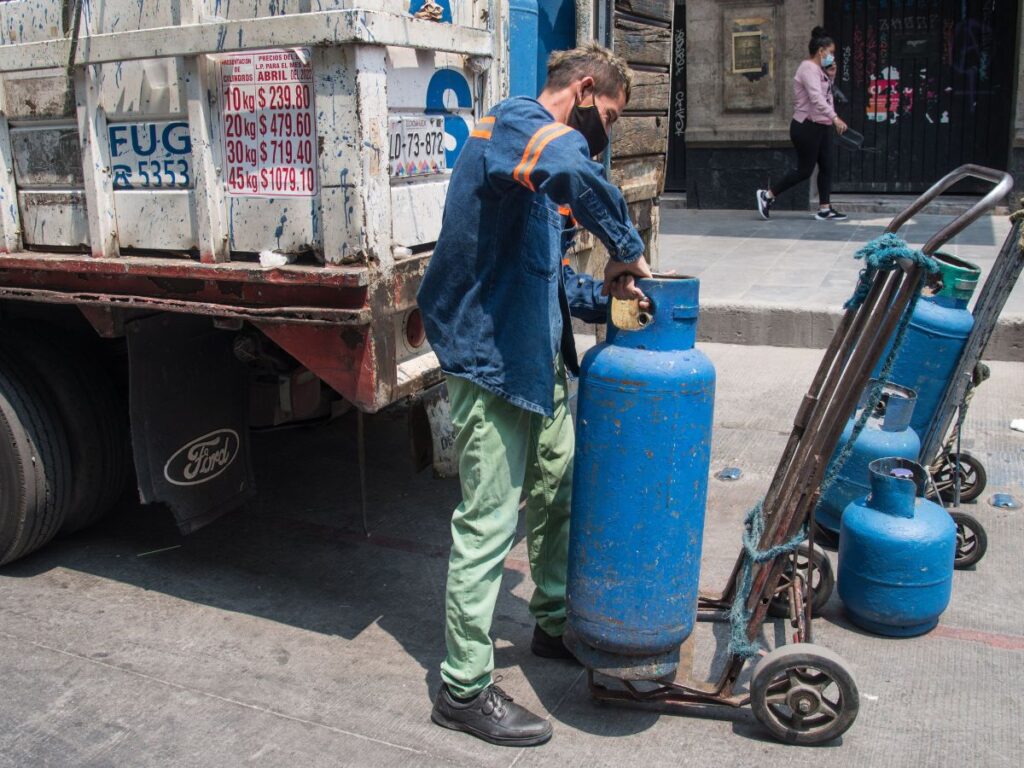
column 991, row 639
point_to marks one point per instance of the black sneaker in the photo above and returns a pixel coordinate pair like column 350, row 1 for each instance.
column 764, row 204
column 830, row 214
column 492, row 716
column 549, row 647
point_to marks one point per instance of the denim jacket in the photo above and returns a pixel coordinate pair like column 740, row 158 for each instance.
column 492, row 296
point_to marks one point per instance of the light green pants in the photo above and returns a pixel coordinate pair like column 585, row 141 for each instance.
column 504, row 451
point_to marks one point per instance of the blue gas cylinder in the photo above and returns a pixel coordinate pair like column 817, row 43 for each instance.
column 643, row 449
column 556, row 31
column 896, row 553
column 522, row 65
column 937, row 334
column 887, row 432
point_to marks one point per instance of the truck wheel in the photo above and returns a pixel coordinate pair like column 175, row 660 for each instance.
column 34, row 462
column 93, row 418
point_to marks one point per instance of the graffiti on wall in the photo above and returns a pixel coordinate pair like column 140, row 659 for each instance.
column 913, row 60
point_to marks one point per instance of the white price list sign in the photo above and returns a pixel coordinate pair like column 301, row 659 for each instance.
column 269, row 125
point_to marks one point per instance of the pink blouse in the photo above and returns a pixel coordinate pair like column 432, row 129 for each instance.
column 812, row 94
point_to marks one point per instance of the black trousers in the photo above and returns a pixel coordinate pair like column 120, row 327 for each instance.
column 813, row 143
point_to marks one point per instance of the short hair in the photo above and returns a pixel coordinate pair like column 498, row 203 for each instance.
column 611, row 73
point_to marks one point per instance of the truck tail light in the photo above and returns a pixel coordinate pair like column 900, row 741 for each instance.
column 415, row 334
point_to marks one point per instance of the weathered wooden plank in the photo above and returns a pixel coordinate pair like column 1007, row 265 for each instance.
column 99, row 187
column 640, row 214
column 375, row 167
column 48, row 156
column 157, row 220
column 39, row 94
column 211, row 224
column 287, row 225
column 634, row 135
column 650, row 91
column 640, row 43
column 55, row 219
column 326, row 28
column 655, row 9
column 416, row 211
column 639, row 178
column 10, row 220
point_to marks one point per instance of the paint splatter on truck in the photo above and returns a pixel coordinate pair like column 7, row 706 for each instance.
column 144, row 187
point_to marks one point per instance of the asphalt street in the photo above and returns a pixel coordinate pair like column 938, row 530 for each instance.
column 281, row 635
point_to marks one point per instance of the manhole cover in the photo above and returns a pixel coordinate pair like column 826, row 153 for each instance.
column 1004, row 501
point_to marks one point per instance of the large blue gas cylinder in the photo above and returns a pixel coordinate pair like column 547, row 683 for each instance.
column 896, row 553
column 556, row 31
column 937, row 334
column 887, row 432
column 643, row 448
column 522, row 65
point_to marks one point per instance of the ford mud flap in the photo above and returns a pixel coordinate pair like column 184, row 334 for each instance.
column 189, row 412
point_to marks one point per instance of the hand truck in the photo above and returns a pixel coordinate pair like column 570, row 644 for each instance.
column 802, row 693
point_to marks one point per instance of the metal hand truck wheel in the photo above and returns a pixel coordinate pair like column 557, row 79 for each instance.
column 802, row 693
column 957, row 476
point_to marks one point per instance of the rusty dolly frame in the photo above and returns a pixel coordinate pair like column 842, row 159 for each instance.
column 856, row 348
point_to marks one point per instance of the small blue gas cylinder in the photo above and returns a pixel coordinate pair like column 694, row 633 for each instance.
column 937, row 334
column 887, row 432
column 896, row 553
column 643, row 448
column 522, row 65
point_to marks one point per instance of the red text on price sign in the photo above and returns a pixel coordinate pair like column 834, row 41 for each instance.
column 269, row 128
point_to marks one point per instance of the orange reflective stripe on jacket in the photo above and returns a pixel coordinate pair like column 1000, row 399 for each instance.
column 483, row 128
column 540, row 139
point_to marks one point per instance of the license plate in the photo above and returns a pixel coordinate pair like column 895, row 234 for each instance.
column 416, row 145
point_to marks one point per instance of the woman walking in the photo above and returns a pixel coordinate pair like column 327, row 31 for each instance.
column 814, row 119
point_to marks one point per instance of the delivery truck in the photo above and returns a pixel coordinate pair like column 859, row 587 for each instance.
column 215, row 215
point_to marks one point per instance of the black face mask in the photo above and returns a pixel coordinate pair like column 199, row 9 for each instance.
column 587, row 120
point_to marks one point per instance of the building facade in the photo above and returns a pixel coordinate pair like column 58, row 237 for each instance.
column 931, row 84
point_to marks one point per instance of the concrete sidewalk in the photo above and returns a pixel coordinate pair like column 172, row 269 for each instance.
column 281, row 636
column 783, row 282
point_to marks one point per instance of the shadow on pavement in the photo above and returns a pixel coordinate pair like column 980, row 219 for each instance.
column 297, row 553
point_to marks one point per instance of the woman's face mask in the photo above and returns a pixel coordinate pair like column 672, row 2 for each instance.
column 828, row 60
column 587, row 120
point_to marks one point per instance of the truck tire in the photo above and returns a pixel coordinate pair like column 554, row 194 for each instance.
column 34, row 462
column 93, row 417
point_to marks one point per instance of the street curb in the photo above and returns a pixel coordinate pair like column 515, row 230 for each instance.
column 849, row 203
column 779, row 325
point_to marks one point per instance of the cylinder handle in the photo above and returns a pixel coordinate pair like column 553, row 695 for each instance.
column 685, row 312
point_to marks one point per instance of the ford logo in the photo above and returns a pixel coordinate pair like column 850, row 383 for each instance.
column 202, row 459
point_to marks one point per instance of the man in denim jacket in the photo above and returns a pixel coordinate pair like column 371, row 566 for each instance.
column 496, row 305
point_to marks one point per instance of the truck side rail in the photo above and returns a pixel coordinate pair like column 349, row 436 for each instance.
column 337, row 27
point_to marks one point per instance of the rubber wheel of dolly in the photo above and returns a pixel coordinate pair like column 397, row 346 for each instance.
column 35, row 463
column 971, row 540
column 972, row 483
column 824, row 577
column 94, row 418
column 804, row 694
column 826, row 538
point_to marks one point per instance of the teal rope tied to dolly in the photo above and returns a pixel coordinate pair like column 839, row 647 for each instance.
column 739, row 614
column 880, row 255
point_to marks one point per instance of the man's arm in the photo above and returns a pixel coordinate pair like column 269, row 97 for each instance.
column 584, row 294
column 551, row 158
